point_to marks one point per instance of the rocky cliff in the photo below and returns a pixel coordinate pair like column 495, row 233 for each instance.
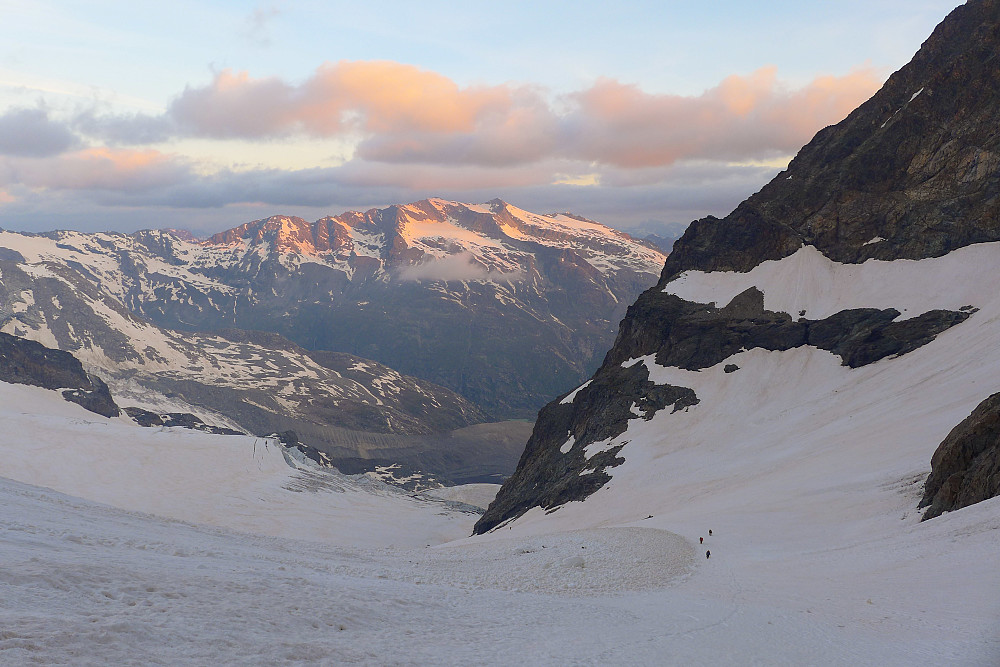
column 28, row 362
column 965, row 469
column 912, row 173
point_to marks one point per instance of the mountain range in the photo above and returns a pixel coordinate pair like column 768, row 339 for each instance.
column 253, row 329
column 789, row 455
column 503, row 306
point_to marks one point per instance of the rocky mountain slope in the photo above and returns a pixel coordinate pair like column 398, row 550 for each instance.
column 250, row 382
column 810, row 285
column 911, row 173
column 504, row 306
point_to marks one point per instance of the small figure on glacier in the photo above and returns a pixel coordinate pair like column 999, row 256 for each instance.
column 709, row 532
column 701, row 540
column 708, row 554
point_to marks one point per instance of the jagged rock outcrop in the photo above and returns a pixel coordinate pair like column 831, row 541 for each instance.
column 28, row 362
column 178, row 419
column 692, row 335
column 912, row 173
column 965, row 469
column 573, row 444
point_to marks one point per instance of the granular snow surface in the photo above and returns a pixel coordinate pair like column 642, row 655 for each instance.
column 162, row 546
column 478, row 495
column 101, row 583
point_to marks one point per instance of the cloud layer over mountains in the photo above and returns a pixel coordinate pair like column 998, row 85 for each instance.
column 405, row 132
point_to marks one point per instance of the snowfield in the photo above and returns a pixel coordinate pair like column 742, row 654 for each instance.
column 162, row 546
column 223, row 574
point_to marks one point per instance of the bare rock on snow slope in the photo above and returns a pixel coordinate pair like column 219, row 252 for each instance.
column 27, row 362
column 965, row 468
column 911, row 174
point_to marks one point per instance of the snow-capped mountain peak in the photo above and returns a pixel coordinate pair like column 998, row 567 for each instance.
column 349, row 282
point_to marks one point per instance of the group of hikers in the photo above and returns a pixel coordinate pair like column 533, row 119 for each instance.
column 701, row 540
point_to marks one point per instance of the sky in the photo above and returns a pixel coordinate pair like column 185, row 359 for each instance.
column 205, row 115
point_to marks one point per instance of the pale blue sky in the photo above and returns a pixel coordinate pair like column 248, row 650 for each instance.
column 103, row 60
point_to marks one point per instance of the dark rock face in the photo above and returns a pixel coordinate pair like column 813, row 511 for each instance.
column 96, row 399
column 27, row 362
column 546, row 475
column 965, row 469
column 862, row 336
column 692, row 335
column 912, row 173
column 916, row 165
column 181, row 419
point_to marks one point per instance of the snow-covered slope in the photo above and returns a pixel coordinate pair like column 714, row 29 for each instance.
column 790, row 377
column 810, row 472
column 249, row 558
column 504, row 306
column 238, row 482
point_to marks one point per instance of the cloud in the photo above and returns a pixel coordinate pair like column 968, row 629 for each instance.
column 744, row 117
column 119, row 170
column 256, row 27
column 128, row 129
column 348, row 97
column 29, row 132
column 401, row 114
column 611, row 152
column 461, row 266
column 112, row 184
column 236, row 106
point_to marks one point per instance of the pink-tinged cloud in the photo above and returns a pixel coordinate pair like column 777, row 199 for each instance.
column 402, row 114
column 98, row 169
column 235, row 106
column 367, row 97
column 741, row 118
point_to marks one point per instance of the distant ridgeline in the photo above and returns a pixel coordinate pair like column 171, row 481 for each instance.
column 247, row 331
column 503, row 306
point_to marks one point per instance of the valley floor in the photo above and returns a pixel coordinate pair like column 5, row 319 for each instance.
column 197, row 549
